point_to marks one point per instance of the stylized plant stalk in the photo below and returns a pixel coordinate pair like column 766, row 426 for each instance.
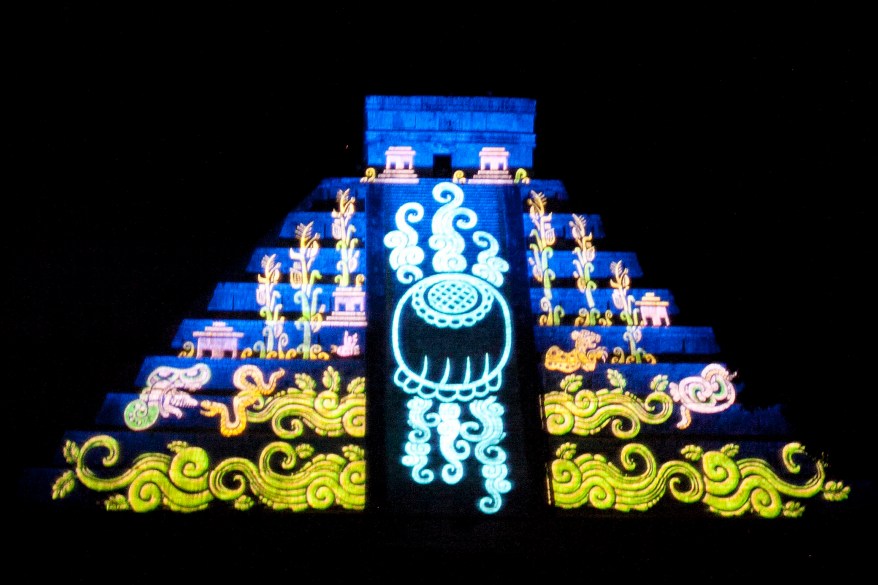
column 342, row 230
column 542, row 250
column 302, row 278
column 630, row 315
column 583, row 261
column 269, row 309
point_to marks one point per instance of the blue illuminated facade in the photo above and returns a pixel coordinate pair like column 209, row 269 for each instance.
column 449, row 339
column 455, row 127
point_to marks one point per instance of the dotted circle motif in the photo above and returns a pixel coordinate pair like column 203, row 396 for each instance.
column 452, row 297
column 453, row 302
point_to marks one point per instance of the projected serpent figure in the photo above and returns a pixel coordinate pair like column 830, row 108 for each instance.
column 451, row 339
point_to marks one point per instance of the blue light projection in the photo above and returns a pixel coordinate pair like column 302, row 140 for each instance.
column 451, row 338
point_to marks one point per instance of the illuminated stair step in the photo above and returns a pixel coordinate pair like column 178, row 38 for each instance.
column 561, row 225
column 655, row 340
column 322, row 224
column 554, row 190
column 326, row 261
column 82, row 499
column 241, row 297
column 253, row 332
column 248, row 445
column 561, row 263
column 637, row 376
column 572, row 300
column 222, row 370
column 112, row 414
column 325, row 192
column 671, row 421
column 767, row 448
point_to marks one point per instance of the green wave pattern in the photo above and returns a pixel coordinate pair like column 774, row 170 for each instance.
column 726, row 486
column 184, row 481
column 589, row 411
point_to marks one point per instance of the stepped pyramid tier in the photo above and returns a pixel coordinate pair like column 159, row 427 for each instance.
column 467, row 342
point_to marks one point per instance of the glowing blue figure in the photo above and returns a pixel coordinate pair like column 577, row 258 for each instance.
column 451, row 336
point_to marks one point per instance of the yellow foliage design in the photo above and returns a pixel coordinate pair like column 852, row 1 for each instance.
column 252, row 388
column 588, row 411
column 291, row 410
column 184, row 480
column 324, row 412
column 726, row 486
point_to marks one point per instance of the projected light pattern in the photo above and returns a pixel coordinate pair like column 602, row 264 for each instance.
column 185, row 481
column 290, row 411
column 710, row 392
column 262, row 401
column 451, row 337
column 585, row 353
column 165, row 395
column 586, row 412
column 725, row 485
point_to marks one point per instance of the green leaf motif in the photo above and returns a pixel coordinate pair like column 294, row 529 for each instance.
column 331, row 379
column 354, row 453
column 835, row 491
column 304, row 450
column 659, row 383
column 117, row 503
column 566, row 451
column 571, row 383
column 617, row 380
column 63, row 485
column 71, row 452
column 357, row 386
column 305, row 382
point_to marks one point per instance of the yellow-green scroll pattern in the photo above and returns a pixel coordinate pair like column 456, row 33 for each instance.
column 589, row 411
column 726, row 486
column 291, row 410
column 185, row 482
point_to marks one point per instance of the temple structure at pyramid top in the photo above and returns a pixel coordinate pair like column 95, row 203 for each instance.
column 442, row 335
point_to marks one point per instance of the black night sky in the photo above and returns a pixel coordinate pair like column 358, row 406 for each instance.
column 733, row 150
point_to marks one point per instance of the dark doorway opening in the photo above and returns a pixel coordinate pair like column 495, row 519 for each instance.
column 441, row 165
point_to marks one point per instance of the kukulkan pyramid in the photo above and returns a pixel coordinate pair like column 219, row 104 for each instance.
column 441, row 335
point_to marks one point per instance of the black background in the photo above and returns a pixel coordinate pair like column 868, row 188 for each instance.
column 733, row 149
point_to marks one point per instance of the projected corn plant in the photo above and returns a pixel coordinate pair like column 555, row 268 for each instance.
column 583, row 267
column 342, row 231
column 268, row 298
column 541, row 249
column 302, row 279
column 630, row 315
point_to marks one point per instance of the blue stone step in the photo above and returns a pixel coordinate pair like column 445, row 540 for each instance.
column 637, row 376
column 655, row 340
column 326, row 261
column 322, row 224
column 223, row 370
column 252, row 330
column 561, row 263
column 112, row 413
column 241, row 296
column 563, row 230
column 247, row 445
column 571, row 300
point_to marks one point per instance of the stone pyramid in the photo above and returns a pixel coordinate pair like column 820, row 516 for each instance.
column 444, row 336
